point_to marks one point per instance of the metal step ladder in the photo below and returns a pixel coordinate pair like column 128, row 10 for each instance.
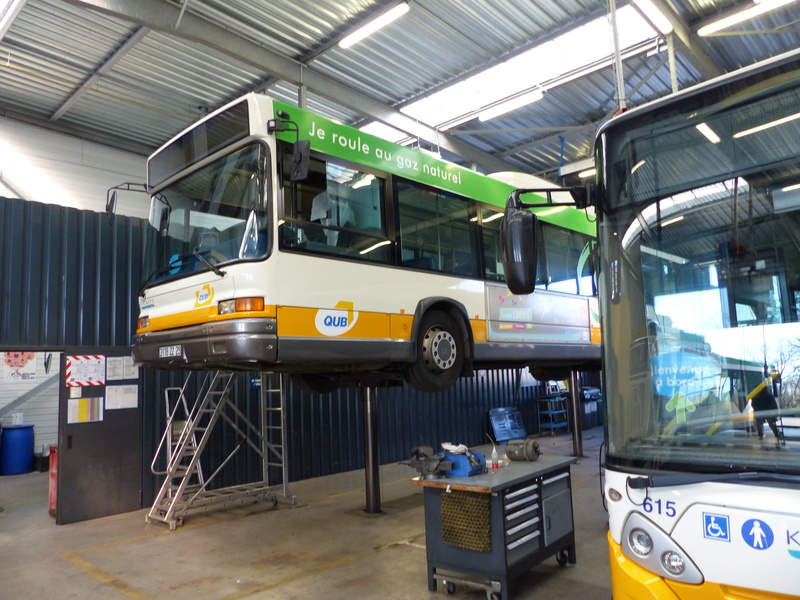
column 274, row 427
column 185, row 489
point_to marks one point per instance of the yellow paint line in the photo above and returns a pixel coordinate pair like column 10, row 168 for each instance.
column 128, row 590
column 114, row 582
column 348, row 492
column 321, row 568
column 106, row 578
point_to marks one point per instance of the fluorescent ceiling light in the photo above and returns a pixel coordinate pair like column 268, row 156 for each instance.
column 758, row 9
column 587, row 173
column 775, row 123
column 375, row 246
column 363, row 182
column 573, row 167
column 383, row 131
column 374, row 25
column 637, row 165
column 558, row 58
column 574, row 54
column 494, row 217
column 791, row 188
column 508, row 105
column 671, row 221
column 655, row 15
column 708, row 132
column 665, row 255
column 9, row 11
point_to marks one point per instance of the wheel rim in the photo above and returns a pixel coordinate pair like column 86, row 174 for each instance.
column 439, row 350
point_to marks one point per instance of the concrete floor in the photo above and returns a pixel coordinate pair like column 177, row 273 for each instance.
column 325, row 547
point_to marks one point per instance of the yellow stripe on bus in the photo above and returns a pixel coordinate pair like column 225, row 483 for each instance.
column 478, row 330
column 295, row 321
column 199, row 316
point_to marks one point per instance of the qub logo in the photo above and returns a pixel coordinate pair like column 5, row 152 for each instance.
column 204, row 296
column 336, row 322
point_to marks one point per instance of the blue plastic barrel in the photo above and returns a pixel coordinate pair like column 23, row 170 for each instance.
column 16, row 449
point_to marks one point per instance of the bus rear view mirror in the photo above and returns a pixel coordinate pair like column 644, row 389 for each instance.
column 518, row 233
column 300, row 160
column 582, row 196
column 111, row 204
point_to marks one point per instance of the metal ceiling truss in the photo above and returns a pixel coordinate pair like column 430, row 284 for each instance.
column 160, row 16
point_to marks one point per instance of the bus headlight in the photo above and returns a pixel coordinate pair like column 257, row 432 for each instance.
column 652, row 548
column 228, row 307
column 673, row 562
column 641, row 542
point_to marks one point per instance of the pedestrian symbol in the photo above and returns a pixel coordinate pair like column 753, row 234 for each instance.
column 757, row 534
column 716, row 527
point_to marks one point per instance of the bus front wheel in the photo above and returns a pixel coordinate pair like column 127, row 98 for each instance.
column 440, row 353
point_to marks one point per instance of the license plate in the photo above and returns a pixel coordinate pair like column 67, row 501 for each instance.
column 170, row 351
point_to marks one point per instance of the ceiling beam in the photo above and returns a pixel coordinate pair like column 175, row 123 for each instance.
column 161, row 16
column 137, row 35
column 695, row 50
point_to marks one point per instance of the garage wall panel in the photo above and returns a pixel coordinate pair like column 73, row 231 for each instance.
column 67, row 276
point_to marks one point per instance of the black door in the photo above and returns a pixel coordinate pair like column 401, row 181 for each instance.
column 99, row 435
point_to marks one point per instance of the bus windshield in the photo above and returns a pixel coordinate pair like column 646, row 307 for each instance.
column 700, row 242
column 213, row 216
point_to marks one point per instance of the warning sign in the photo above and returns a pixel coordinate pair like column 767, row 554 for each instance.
column 86, row 370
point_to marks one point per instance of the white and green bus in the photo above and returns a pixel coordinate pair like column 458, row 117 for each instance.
column 285, row 241
column 698, row 204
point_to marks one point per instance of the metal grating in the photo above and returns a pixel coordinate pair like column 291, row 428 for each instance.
column 466, row 520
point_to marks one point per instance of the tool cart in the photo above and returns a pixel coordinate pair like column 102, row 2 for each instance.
column 483, row 531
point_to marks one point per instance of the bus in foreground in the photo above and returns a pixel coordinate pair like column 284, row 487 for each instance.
column 698, row 201
column 284, row 241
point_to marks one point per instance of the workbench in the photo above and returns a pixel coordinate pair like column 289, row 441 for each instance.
column 488, row 529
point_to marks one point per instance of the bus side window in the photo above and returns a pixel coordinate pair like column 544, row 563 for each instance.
column 336, row 210
column 438, row 230
column 492, row 246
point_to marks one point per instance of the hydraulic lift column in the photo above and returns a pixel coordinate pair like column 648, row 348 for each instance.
column 575, row 413
column 371, row 456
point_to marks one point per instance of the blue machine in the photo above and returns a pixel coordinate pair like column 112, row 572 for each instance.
column 463, row 467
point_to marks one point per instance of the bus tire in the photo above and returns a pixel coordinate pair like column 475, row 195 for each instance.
column 440, row 353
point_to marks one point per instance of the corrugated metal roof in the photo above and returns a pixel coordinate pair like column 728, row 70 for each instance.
column 170, row 77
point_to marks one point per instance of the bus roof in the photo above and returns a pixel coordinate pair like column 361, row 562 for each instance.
column 648, row 107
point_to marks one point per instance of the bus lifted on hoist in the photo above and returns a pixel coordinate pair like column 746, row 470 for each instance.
column 283, row 241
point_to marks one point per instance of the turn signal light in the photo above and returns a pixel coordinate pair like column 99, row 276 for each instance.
column 144, row 322
column 227, row 307
column 249, row 304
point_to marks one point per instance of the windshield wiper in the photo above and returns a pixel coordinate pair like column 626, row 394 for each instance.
column 653, row 481
column 152, row 276
column 206, row 262
column 178, row 262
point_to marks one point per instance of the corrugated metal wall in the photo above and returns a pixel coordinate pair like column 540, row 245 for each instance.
column 70, row 278
column 67, row 276
column 326, row 430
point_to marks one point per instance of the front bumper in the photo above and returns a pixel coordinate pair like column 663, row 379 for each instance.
column 244, row 343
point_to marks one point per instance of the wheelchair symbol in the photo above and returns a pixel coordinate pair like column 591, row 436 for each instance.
column 716, row 527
